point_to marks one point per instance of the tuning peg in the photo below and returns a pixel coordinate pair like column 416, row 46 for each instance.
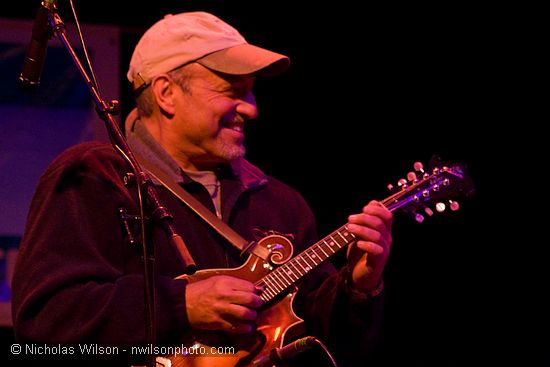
column 419, row 167
column 402, row 183
column 390, row 187
column 419, row 217
column 440, row 207
column 428, row 211
column 454, row 205
column 411, row 176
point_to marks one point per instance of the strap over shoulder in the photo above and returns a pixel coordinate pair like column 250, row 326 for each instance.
column 221, row 227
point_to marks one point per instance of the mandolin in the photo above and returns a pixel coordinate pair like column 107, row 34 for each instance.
column 279, row 273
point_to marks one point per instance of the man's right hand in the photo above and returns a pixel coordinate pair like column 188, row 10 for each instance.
column 222, row 303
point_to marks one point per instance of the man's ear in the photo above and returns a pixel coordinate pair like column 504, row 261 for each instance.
column 163, row 91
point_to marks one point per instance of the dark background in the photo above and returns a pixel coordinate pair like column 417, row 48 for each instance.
column 371, row 90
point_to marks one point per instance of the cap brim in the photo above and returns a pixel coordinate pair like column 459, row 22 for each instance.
column 246, row 59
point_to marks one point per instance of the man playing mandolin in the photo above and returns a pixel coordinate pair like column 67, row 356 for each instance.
column 79, row 279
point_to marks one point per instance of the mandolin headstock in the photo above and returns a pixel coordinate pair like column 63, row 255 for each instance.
column 426, row 191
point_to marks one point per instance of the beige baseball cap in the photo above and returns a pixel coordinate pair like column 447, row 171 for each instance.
column 198, row 37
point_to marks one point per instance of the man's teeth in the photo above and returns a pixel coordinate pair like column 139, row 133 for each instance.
column 236, row 128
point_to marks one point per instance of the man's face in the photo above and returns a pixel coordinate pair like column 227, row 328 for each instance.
column 210, row 115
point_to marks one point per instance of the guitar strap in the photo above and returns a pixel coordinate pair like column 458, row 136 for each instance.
column 198, row 208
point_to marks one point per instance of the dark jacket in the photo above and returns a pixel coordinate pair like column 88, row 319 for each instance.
column 79, row 280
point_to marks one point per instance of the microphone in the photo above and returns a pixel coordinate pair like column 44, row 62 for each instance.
column 278, row 356
column 36, row 52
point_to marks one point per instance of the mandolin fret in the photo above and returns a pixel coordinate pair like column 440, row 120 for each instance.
column 311, row 263
column 273, row 284
column 267, row 293
column 301, row 261
column 282, row 281
column 300, row 265
column 289, row 273
column 296, row 270
column 320, row 247
column 313, row 256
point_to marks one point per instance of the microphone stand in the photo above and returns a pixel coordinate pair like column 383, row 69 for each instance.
column 159, row 213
